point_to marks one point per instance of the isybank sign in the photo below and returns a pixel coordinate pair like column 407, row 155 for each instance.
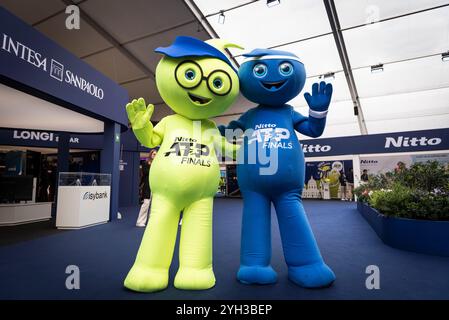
column 95, row 195
column 54, row 68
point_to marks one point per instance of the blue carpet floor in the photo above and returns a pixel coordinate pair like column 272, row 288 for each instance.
column 35, row 269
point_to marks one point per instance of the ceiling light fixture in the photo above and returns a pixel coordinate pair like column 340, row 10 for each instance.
column 221, row 18
column 272, row 3
column 377, row 68
column 445, row 56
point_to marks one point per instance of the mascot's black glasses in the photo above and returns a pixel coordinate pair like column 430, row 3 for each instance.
column 186, row 76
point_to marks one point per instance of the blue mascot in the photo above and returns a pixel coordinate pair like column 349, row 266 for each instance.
column 271, row 78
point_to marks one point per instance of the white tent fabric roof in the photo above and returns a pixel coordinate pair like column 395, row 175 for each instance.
column 407, row 37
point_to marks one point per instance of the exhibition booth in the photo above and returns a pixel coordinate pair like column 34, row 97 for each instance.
column 50, row 98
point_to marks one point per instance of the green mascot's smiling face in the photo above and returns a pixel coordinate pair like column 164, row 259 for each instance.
column 196, row 87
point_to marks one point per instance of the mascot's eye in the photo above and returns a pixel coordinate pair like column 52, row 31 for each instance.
column 286, row 69
column 218, row 83
column 190, row 74
column 260, row 70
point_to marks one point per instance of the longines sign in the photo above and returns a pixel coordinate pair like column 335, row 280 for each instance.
column 39, row 136
column 56, row 70
column 48, row 139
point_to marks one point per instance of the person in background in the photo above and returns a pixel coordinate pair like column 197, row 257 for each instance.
column 350, row 183
column 146, row 191
column 364, row 176
column 74, row 166
column 342, row 180
column 53, row 177
column 400, row 166
column 44, row 182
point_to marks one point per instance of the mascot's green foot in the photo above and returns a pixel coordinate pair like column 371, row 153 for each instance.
column 145, row 279
column 194, row 279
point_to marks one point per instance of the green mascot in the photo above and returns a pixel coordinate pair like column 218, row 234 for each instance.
column 197, row 81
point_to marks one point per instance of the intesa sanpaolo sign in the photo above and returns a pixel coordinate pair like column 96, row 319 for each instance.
column 28, row 59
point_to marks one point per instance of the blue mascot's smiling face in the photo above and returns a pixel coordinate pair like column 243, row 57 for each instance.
column 271, row 77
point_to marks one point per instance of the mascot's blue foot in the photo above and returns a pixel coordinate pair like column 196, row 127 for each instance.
column 317, row 275
column 256, row 275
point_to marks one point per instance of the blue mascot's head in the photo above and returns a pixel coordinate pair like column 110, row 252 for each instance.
column 271, row 77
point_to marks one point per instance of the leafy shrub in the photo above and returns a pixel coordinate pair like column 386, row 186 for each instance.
column 424, row 176
column 418, row 192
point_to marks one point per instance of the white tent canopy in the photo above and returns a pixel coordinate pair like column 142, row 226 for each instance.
column 407, row 37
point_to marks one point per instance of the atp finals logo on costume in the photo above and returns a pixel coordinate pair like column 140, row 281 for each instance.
column 271, row 137
column 56, row 71
column 190, row 151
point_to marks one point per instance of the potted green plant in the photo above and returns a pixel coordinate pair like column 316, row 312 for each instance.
column 409, row 207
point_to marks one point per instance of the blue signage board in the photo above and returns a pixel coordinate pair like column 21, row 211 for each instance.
column 49, row 139
column 411, row 141
column 30, row 59
column 429, row 140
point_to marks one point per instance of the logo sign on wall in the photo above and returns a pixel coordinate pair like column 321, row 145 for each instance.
column 31, row 59
column 427, row 140
column 56, row 70
column 39, row 136
column 95, row 195
column 48, row 139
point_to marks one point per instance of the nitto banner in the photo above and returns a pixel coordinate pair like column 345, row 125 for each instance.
column 410, row 141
